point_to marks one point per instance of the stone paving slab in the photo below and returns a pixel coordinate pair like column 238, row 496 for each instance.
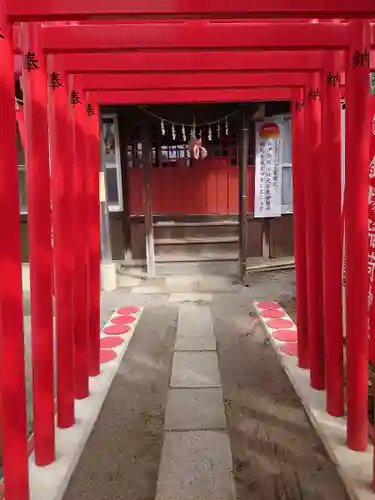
column 195, row 321
column 128, row 281
column 149, row 290
column 196, row 465
column 191, row 297
column 195, row 370
column 195, row 344
column 195, row 409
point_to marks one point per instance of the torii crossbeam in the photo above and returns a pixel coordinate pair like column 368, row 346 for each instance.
column 86, row 9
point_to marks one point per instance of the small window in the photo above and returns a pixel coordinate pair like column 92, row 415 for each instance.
column 287, row 181
column 286, row 190
column 285, row 122
column 112, row 162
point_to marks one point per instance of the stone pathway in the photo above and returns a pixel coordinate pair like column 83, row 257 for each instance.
column 196, row 459
column 201, row 409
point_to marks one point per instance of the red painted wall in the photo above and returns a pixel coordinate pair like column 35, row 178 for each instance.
column 209, row 187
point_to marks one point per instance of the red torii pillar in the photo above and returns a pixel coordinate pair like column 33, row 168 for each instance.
column 12, row 354
column 63, row 250
column 299, row 214
column 40, row 241
column 93, row 227
column 314, row 232
column 332, row 232
column 81, row 269
column 356, row 231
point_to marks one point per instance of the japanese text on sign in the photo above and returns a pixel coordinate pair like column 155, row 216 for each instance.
column 268, row 170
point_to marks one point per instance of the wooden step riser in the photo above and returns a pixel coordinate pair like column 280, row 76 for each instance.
column 197, row 249
column 210, row 268
column 195, row 231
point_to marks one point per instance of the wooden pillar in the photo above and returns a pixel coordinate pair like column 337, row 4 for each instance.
column 243, row 197
column 332, row 232
column 61, row 152
column 93, row 228
column 299, row 215
column 126, row 221
column 147, row 165
column 40, row 245
column 266, row 239
column 12, row 354
column 80, row 231
column 356, row 230
column 314, row 233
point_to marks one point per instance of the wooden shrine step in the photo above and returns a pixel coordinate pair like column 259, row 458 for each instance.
column 204, row 257
column 196, row 240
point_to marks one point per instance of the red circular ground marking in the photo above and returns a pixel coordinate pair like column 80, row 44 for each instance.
column 272, row 314
column 290, row 349
column 116, row 329
column 128, row 310
column 107, row 355
column 285, row 335
column 279, row 323
column 109, row 342
column 268, row 305
column 122, row 320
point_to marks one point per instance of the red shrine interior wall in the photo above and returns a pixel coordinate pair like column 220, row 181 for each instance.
column 209, row 188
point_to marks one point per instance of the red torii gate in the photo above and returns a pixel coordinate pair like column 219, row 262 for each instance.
column 64, row 348
column 319, row 11
column 267, row 40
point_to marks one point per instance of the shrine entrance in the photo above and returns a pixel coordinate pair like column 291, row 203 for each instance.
column 194, row 193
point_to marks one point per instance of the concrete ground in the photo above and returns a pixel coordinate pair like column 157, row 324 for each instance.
column 201, row 408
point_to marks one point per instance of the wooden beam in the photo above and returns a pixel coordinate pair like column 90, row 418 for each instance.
column 192, row 80
column 194, row 34
column 266, row 236
column 87, row 9
column 188, row 96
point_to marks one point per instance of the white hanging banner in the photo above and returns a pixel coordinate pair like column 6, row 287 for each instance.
column 268, row 169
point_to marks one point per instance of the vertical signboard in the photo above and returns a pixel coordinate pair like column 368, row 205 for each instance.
column 268, row 169
column 371, row 227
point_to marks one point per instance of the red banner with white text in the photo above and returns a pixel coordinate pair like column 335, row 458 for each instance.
column 371, row 234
